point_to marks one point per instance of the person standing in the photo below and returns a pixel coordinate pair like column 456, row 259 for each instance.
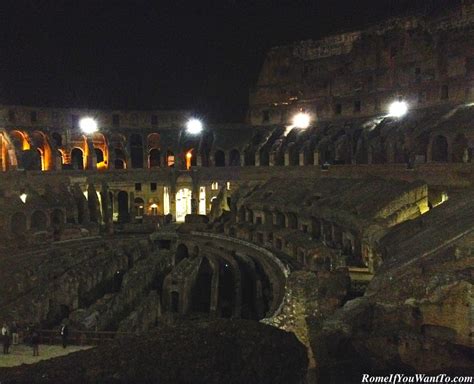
column 6, row 339
column 14, row 331
column 64, row 334
column 35, row 342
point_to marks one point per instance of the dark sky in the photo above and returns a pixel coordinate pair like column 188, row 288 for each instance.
column 201, row 55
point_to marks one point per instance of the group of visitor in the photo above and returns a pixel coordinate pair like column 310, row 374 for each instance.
column 11, row 336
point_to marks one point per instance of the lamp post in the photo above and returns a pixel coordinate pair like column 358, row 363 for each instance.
column 398, row 109
column 301, row 120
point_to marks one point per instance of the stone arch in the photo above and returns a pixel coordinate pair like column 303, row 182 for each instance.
column 234, row 158
column 8, row 156
column 136, row 150
column 249, row 157
column 421, row 147
column 201, row 296
column 154, row 140
column 279, row 220
column 77, row 158
column 101, row 150
column 20, row 140
column 40, row 141
column 181, row 253
column 39, row 220
column 460, row 149
column 264, row 157
column 18, row 224
column 219, row 158
column 439, row 149
column 154, row 158
column 226, row 293
column 120, row 161
column 293, row 154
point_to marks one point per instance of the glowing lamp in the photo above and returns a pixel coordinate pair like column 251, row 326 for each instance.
column 189, row 155
column 301, row 120
column 194, row 126
column 398, row 109
column 23, row 197
column 88, row 125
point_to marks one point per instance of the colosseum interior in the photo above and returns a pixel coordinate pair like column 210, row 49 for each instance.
column 354, row 231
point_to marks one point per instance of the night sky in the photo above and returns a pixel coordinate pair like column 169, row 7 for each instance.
column 200, row 55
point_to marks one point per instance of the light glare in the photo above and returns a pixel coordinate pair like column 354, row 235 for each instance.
column 88, row 125
column 194, row 126
column 301, row 120
column 398, row 109
column 23, row 197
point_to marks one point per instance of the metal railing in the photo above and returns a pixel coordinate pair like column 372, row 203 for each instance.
column 53, row 337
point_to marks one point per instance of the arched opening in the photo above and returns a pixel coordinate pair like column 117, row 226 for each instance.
column 101, row 150
column 226, row 289
column 201, row 298
column 136, row 150
column 120, row 162
column 190, row 158
column 123, row 212
column 439, row 151
column 264, row 157
column 293, row 155
column 279, row 157
column 292, row 221
column 183, row 204
column 99, row 155
column 77, row 158
column 57, row 222
column 18, row 223
column 234, row 158
column 249, row 157
column 39, row 221
column 181, row 253
column 219, row 158
column 279, row 220
column 170, row 158
column 460, row 149
column 40, row 141
column 139, row 209
column 154, row 158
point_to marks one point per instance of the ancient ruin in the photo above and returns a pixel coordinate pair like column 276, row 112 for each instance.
column 354, row 233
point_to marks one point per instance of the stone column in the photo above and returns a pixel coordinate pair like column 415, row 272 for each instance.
column 287, row 158
column 272, row 159
column 316, row 158
column 301, row 158
column 131, row 207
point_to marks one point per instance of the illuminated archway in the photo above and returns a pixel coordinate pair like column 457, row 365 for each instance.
column 183, row 204
column 40, row 141
column 120, row 162
column 77, row 158
column 101, row 150
column 170, row 160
